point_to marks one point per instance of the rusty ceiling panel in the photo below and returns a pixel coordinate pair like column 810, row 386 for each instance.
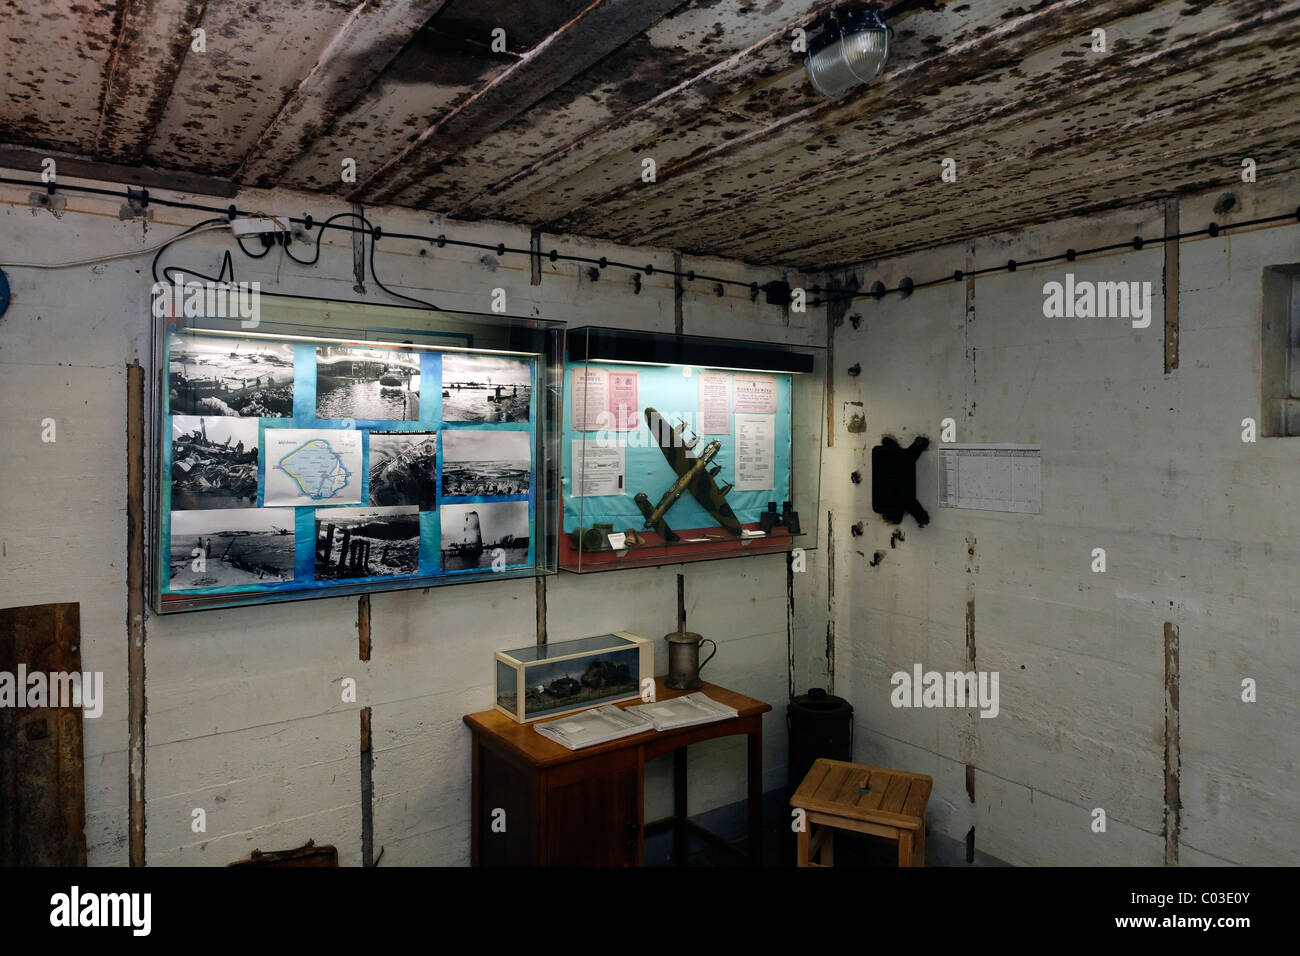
column 443, row 66
column 152, row 39
column 598, row 30
column 256, row 55
column 1044, row 106
column 370, row 39
column 53, row 58
column 670, row 63
column 751, row 164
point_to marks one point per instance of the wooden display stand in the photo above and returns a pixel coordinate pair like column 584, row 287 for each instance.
column 536, row 803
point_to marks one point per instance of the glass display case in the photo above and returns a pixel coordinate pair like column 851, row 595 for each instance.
column 687, row 448
column 323, row 448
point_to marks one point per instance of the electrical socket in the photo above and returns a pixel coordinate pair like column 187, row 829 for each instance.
column 249, row 226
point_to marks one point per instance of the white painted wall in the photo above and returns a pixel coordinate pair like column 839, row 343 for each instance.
column 1199, row 529
column 244, row 711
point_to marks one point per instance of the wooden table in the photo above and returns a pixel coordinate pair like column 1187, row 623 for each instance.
column 536, row 803
column 848, row 796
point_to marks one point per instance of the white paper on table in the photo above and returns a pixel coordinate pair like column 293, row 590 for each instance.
column 755, row 452
column 312, row 466
column 598, row 469
column 715, row 403
column 590, row 399
column 754, row 394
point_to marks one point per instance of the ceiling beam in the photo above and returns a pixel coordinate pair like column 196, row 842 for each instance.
column 148, row 51
column 69, row 166
column 367, row 42
column 600, row 29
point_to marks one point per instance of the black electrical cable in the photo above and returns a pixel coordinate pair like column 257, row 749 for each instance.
column 1070, row 255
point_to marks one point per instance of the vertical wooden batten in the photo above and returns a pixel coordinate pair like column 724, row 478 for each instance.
column 135, row 624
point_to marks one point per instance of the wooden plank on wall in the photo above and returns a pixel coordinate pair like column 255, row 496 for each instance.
column 1171, row 286
column 42, row 765
column 135, row 561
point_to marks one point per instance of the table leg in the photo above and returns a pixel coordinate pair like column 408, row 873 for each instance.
column 756, row 798
column 801, row 853
column 905, row 847
column 681, row 839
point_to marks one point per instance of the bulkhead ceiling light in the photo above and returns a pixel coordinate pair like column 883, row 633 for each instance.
column 849, row 51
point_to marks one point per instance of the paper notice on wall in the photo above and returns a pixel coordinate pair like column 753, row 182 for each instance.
column 310, row 466
column 754, row 394
column 991, row 477
column 590, row 399
column 623, row 400
column 715, row 403
column 755, row 452
column 598, row 469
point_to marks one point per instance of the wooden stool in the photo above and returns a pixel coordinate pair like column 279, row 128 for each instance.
column 850, row 796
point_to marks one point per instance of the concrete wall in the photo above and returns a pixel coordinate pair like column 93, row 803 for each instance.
column 1200, row 530
column 245, row 718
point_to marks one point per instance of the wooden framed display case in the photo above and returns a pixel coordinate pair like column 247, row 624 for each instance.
column 547, row 680
column 321, row 448
column 687, row 448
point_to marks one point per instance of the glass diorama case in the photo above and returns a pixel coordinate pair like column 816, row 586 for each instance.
column 687, row 448
column 334, row 448
column 546, row 680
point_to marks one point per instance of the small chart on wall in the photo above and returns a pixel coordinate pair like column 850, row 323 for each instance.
column 298, row 466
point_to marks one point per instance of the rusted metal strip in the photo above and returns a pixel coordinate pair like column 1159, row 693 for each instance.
column 678, row 291
column 542, row 637
column 367, row 791
column 1173, row 760
column 1171, row 286
column 830, row 603
column 363, row 626
column 535, row 257
column 681, row 603
column 135, row 624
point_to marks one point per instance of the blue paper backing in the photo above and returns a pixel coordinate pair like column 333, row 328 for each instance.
column 668, row 391
column 304, row 416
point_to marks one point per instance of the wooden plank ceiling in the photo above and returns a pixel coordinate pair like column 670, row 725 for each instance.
column 751, row 164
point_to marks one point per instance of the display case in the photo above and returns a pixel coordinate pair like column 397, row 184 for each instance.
column 546, row 680
column 322, row 448
column 687, row 448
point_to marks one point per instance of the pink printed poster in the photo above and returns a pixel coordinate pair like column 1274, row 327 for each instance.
column 623, row 400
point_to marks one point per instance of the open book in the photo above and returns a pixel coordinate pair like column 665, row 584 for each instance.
column 591, row 727
column 685, row 711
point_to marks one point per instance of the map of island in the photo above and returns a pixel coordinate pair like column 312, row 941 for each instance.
column 317, row 469
column 312, row 466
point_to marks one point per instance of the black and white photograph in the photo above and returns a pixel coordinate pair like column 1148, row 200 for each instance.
column 214, row 462
column 485, row 463
column 367, row 542
column 472, row 534
column 224, row 549
column 367, row 384
column 485, row 388
column 403, row 469
column 250, row 378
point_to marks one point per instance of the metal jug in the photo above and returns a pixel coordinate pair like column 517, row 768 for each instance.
column 684, row 663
